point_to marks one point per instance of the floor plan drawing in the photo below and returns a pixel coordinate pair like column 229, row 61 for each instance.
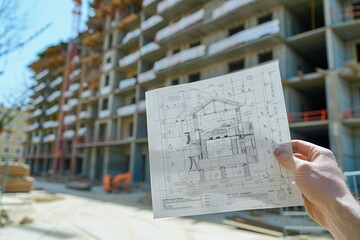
column 211, row 144
column 219, row 139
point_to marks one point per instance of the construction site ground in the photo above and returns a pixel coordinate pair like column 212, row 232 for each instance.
column 56, row 212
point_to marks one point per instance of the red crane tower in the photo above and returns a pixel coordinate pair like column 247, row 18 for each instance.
column 70, row 64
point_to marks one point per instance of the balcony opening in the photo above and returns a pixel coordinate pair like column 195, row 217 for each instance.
column 195, row 44
column 99, row 163
column 356, row 10
column 306, row 16
column 266, row 18
column 142, row 126
column 352, row 99
column 151, row 86
column 236, row 66
column 145, row 66
column 126, row 99
column 126, row 127
column 175, row 51
column 318, row 134
column 130, row 129
column 110, row 41
column 78, row 166
column 265, row 56
column 357, row 53
column 104, row 104
column 127, row 162
column 236, row 29
column 102, row 130
column 194, row 77
column 119, row 159
column 175, row 81
column 107, row 80
column 143, row 163
column 307, row 101
column 68, row 147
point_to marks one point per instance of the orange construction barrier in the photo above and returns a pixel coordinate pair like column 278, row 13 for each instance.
column 119, row 181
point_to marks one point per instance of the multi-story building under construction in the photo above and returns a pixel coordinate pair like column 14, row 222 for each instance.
column 150, row 44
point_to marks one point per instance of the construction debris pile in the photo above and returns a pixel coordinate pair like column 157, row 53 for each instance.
column 15, row 177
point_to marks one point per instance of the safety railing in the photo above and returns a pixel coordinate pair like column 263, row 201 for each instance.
column 151, row 22
column 352, row 181
column 352, row 112
column 166, row 4
column 126, row 83
column 39, row 155
column 146, row 76
column 42, row 74
column 56, row 82
column 180, row 57
column 39, row 87
column 319, row 115
column 129, row 59
column 245, row 36
column 181, row 25
column 126, row 110
column 68, row 134
column 346, row 14
column 102, row 139
column 49, row 138
column 52, row 110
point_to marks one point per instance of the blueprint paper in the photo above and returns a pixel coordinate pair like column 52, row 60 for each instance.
column 211, row 145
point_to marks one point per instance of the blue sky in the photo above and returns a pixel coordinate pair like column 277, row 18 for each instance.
column 58, row 13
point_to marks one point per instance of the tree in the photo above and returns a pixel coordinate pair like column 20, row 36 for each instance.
column 13, row 25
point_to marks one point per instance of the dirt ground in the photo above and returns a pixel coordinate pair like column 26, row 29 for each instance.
column 60, row 213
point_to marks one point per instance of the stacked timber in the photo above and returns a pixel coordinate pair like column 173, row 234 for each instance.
column 16, row 176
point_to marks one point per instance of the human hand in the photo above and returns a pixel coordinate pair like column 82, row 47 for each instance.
column 320, row 180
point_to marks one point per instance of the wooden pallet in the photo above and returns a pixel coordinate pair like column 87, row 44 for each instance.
column 18, row 184
column 15, row 169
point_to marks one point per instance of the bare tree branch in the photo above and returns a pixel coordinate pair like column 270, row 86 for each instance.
column 13, row 24
column 22, row 43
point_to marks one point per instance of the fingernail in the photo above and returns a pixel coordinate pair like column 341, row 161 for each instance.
column 281, row 153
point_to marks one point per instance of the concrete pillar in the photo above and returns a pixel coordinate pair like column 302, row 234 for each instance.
column 132, row 163
column 36, row 166
column 106, row 160
column 92, row 169
column 45, row 164
column 86, row 162
column 333, row 112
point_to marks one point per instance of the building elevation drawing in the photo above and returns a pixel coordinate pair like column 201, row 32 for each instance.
column 211, row 144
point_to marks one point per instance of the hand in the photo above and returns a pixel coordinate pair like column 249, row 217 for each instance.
column 321, row 182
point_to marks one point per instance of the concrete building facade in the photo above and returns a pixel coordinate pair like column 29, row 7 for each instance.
column 150, row 44
column 45, row 105
column 13, row 134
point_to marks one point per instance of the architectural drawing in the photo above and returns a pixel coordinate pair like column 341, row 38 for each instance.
column 211, row 144
column 219, row 139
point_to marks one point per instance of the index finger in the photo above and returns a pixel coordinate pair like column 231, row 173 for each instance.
column 306, row 149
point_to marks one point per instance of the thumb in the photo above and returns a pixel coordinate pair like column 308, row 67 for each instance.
column 286, row 159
